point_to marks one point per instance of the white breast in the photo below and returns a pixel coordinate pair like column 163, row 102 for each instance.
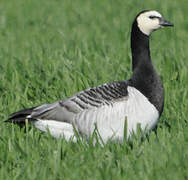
column 140, row 111
column 109, row 120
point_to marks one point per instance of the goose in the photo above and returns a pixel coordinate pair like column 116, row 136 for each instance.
column 139, row 100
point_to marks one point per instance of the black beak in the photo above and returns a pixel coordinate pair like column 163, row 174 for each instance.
column 164, row 22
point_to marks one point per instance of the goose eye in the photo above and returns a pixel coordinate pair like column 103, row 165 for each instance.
column 152, row 17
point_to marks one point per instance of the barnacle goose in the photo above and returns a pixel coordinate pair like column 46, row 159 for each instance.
column 139, row 100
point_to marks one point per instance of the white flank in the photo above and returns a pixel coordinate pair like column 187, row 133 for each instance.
column 109, row 120
column 57, row 129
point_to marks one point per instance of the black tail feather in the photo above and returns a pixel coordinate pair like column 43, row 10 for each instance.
column 20, row 116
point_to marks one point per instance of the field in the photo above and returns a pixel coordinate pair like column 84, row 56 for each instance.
column 49, row 50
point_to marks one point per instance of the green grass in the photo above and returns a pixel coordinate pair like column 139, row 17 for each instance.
column 50, row 50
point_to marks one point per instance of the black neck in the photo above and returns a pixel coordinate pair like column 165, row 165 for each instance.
column 145, row 78
column 139, row 47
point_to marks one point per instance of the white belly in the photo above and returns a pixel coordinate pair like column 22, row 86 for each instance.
column 109, row 120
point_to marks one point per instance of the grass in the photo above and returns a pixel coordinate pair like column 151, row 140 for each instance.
column 50, row 50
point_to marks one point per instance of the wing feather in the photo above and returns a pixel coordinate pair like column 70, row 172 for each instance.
column 66, row 110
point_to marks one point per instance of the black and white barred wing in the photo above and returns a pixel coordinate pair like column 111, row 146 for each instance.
column 103, row 105
column 91, row 99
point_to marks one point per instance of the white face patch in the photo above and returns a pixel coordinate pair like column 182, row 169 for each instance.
column 147, row 24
